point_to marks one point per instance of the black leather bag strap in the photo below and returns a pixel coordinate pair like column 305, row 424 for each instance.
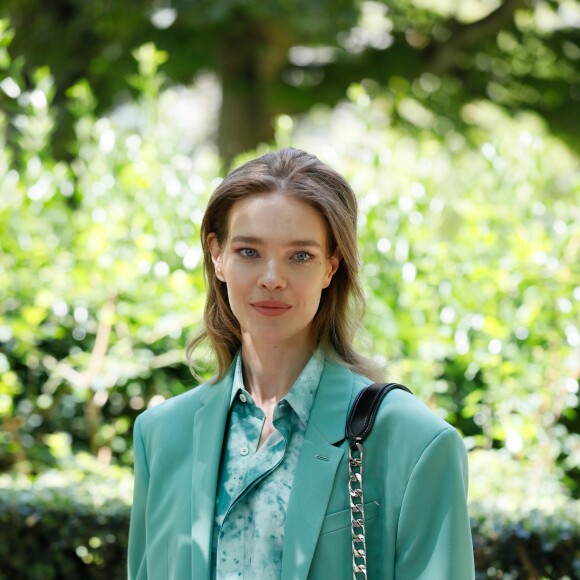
column 364, row 410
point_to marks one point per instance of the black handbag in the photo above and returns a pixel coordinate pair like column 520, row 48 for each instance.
column 358, row 426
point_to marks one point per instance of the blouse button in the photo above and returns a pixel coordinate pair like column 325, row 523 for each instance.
column 243, row 398
column 244, row 450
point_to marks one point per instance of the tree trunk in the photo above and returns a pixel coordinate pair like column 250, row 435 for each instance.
column 251, row 56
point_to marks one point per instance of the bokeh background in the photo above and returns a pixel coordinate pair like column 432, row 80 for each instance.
column 457, row 124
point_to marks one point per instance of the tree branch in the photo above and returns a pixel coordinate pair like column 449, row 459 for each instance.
column 442, row 56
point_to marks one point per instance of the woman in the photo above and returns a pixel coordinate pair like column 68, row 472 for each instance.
column 246, row 476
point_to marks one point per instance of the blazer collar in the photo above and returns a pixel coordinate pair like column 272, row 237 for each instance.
column 208, row 434
column 313, row 481
column 333, row 401
column 316, row 469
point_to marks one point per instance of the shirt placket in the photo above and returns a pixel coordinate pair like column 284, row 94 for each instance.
column 261, row 463
column 258, row 469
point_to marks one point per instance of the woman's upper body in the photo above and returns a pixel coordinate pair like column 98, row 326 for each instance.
column 415, row 484
column 282, row 266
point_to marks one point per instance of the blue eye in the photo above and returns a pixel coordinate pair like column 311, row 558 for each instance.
column 302, row 256
column 248, row 253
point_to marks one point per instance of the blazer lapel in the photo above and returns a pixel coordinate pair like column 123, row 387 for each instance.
column 208, row 433
column 316, row 469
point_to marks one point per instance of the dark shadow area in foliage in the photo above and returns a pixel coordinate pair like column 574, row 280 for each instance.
column 46, row 542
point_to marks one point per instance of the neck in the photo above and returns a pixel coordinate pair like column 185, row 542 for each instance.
column 271, row 370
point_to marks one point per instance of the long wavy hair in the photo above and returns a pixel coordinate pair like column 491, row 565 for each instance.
column 303, row 176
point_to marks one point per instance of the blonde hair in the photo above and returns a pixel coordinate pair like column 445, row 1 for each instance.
column 303, row 176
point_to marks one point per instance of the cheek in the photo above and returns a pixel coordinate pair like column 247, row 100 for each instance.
column 237, row 282
column 235, row 301
column 226, row 270
column 311, row 288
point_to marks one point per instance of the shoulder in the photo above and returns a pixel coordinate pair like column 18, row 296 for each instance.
column 407, row 413
column 178, row 409
column 405, row 426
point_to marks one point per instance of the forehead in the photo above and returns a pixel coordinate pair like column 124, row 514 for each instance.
column 276, row 216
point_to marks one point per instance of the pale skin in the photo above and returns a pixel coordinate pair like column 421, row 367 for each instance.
column 275, row 263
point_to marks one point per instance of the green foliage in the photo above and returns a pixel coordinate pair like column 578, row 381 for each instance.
column 537, row 546
column 470, row 237
column 471, row 247
column 283, row 57
column 523, row 522
column 99, row 266
column 71, row 523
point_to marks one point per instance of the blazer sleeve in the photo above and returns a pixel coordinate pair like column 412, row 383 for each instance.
column 136, row 558
column 434, row 532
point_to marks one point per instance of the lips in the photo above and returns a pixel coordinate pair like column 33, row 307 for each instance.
column 271, row 307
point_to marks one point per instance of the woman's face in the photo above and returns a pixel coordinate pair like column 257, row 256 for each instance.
column 275, row 265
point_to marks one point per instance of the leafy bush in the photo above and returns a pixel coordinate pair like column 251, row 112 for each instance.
column 524, row 523
column 538, row 545
column 73, row 523
column 68, row 524
column 99, row 264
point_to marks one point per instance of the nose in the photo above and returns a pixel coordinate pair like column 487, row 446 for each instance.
column 272, row 277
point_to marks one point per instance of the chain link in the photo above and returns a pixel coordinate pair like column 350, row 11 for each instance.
column 357, row 513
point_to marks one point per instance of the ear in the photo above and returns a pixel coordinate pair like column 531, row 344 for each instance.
column 332, row 267
column 216, row 256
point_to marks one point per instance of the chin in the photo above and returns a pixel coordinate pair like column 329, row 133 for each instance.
column 279, row 335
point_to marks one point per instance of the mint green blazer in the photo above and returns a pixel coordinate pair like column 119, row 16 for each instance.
column 415, row 488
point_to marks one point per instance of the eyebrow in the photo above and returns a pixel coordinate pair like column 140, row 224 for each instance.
column 260, row 241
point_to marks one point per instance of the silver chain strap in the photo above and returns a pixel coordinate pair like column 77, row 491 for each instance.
column 357, row 513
